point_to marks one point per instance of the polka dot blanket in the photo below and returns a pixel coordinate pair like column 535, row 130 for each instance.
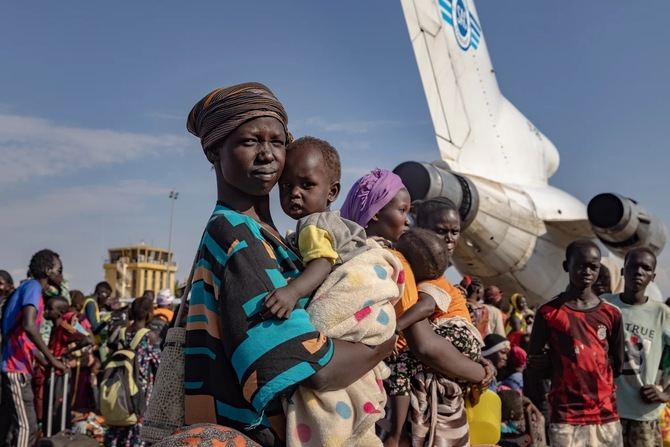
column 355, row 303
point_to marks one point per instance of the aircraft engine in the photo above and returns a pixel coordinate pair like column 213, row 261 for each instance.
column 502, row 241
column 428, row 180
column 621, row 224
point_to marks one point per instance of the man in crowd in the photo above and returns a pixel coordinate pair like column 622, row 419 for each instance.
column 97, row 302
column 585, row 339
column 493, row 300
column 21, row 321
column 646, row 333
column 487, row 319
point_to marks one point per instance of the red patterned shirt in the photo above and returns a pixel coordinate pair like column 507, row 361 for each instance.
column 581, row 343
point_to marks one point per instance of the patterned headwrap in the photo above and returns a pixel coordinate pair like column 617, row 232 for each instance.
column 221, row 111
column 370, row 193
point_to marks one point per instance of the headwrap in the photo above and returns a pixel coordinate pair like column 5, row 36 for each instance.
column 370, row 193
column 492, row 295
column 517, row 357
column 494, row 343
column 221, row 111
column 514, row 301
column 165, row 297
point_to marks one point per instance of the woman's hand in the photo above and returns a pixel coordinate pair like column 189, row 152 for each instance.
column 489, row 373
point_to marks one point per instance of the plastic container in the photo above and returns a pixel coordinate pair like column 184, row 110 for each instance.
column 484, row 418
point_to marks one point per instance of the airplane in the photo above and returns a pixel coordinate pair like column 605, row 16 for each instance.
column 495, row 166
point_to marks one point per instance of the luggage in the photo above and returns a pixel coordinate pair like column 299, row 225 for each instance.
column 64, row 437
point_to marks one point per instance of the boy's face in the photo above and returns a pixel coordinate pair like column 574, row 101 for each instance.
column 51, row 313
column 638, row 271
column 103, row 297
column 305, row 186
column 78, row 303
column 55, row 273
column 583, row 267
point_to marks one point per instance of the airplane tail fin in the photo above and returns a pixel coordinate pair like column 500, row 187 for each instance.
column 478, row 131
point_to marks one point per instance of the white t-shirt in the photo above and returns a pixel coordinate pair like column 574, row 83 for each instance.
column 646, row 333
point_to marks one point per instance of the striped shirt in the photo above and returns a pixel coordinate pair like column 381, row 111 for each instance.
column 237, row 364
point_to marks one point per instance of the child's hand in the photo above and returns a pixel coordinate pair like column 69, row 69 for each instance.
column 280, row 303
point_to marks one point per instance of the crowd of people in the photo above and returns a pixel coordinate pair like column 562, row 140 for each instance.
column 346, row 331
column 52, row 335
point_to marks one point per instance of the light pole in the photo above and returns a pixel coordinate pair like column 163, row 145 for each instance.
column 174, row 195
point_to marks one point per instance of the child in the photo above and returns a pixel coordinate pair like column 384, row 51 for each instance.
column 584, row 335
column 357, row 283
column 427, row 254
column 309, row 184
column 67, row 336
column 640, row 394
column 513, row 420
column 147, row 358
column 516, row 364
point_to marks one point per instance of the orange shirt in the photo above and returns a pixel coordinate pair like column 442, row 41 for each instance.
column 458, row 305
column 409, row 297
column 164, row 312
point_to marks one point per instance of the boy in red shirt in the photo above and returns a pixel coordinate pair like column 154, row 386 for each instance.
column 584, row 336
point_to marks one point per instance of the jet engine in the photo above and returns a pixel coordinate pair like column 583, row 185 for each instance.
column 428, row 180
column 621, row 224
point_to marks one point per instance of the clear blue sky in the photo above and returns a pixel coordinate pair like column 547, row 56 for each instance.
column 94, row 99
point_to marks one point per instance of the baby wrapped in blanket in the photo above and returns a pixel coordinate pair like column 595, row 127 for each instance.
column 358, row 282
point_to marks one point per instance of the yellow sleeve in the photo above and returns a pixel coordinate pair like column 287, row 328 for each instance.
column 315, row 243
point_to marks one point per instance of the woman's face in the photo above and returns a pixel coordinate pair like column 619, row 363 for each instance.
column 251, row 158
column 521, row 303
column 446, row 223
column 499, row 359
column 392, row 221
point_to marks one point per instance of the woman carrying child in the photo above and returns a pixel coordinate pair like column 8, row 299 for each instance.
column 241, row 360
column 380, row 203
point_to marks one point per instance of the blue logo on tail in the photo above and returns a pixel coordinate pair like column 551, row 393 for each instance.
column 466, row 28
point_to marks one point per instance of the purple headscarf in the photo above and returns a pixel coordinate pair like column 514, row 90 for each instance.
column 370, row 193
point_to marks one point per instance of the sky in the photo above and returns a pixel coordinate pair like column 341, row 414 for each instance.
column 95, row 96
